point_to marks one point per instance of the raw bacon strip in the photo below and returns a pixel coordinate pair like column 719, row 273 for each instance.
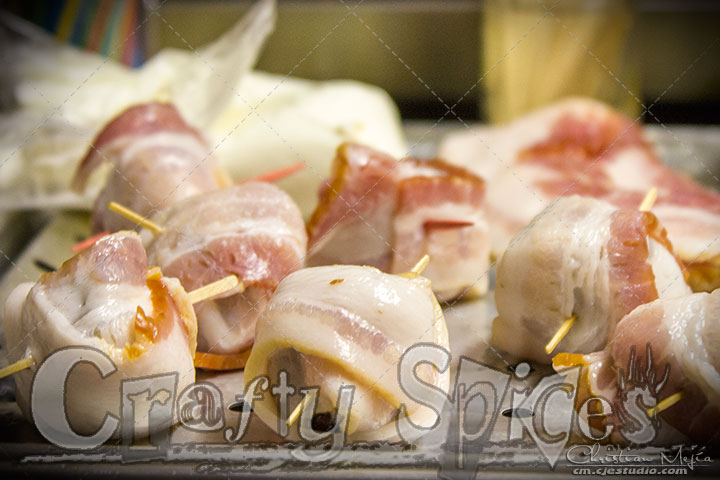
column 361, row 177
column 103, row 298
column 328, row 326
column 584, row 257
column 157, row 160
column 682, row 338
column 254, row 231
column 632, row 281
column 136, row 121
column 459, row 255
column 401, row 212
column 582, row 147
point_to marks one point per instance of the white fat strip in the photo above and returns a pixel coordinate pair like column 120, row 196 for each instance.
column 364, row 291
column 246, row 227
column 103, row 311
column 686, row 318
column 669, row 280
column 180, row 140
column 192, row 239
column 631, row 169
column 586, row 263
column 474, row 150
column 514, row 194
column 412, row 169
column 361, row 321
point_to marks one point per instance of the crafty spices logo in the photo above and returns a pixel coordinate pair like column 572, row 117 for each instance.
column 538, row 420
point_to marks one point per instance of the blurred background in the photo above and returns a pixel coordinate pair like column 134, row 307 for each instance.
column 452, row 52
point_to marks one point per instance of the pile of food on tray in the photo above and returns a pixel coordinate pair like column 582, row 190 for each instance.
column 586, row 280
column 593, row 251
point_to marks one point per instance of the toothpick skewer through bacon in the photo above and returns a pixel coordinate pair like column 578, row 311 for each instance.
column 669, row 349
column 664, row 404
column 272, row 176
column 414, row 272
column 203, row 293
column 254, row 231
column 134, row 217
column 88, row 241
column 585, row 258
column 645, row 206
column 345, row 325
column 105, row 297
column 278, row 174
column 582, row 147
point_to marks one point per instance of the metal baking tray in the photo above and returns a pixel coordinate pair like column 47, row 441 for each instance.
column 453, row 451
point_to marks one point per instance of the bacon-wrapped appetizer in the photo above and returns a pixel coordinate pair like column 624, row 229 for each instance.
column 254, row 231
column 157, row 159
column 581, row 258
column 671, row 347
column 583, row 147
column 102, row 298
column 348, row 325
column 386, row 214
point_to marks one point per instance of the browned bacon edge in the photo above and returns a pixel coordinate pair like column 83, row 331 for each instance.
column 121, row 258
column 337, row 197
column 218, row 361
column 703, row 276
column 643, row 329
column 657, row 232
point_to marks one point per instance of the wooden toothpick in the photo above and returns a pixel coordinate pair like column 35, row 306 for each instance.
column 417, row 269
column 202, row 293
column 22, row 364
column 153, row 272
column 645, row 206
column 560, row 334
column 135, row 217
column 664, row 404
column 420, row 265
column 649, row 200
column 298, row 410
column 434, row 225
column 88, row 241
column 215, row 288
